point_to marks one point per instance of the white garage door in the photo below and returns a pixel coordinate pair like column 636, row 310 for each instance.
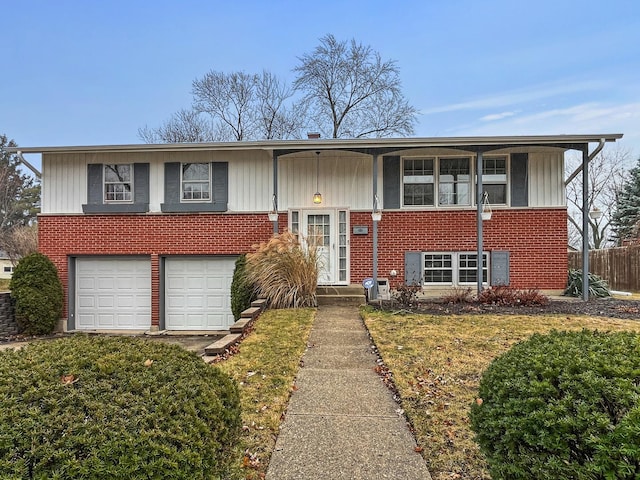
column 198, row 293
column 113, row 293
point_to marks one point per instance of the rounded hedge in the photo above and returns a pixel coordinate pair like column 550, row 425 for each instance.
column 37, row 293
column 241, row 290
column 562, row 405
column 96, row 407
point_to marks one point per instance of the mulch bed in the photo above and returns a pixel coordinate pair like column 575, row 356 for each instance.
column 601, row 307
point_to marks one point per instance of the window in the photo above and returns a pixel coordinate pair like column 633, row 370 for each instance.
column 118, row 183
column 468, row 268
column 196, row 181
column 454, row 181
column 419, row 181
column 494, row 179
column 453, row 268
column 438, row 268
column 448, row 181
column 8, row 269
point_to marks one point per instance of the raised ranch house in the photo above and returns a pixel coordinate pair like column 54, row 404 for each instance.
column 146, row 236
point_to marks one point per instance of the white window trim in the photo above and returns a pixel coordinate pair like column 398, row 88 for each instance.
column 472, row 182
column 507, row 183
column 455, row 263
column 195, row 200
column 105, row 183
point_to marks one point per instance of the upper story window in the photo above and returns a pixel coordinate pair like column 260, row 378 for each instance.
column 494, row 179
column 450, row 177
column 454, row 177
column 419, row 181
column 196, row 181
column 118, row 183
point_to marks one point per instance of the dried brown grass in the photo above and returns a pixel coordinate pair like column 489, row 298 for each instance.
column 437, row 361
column 284, row 272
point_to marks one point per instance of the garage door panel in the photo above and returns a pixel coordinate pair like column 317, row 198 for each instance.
column 113, row 293
column 197, row 293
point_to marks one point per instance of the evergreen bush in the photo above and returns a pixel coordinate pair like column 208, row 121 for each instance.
column 562, row 405
column 37, row 293
column 99, row 407
column 597, row 286
column 241, row 289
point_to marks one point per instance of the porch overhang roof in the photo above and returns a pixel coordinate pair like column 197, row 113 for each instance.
column 359, row 144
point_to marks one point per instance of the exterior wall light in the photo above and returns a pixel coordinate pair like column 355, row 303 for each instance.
column 486, row 207
column 317, row 197
column 376, row 214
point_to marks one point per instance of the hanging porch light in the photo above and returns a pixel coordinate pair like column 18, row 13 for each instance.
column 317, row 197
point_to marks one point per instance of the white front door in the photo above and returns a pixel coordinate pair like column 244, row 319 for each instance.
column 327, row 231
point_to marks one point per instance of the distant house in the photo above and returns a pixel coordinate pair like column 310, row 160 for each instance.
column 6, row 267
column 146, row 236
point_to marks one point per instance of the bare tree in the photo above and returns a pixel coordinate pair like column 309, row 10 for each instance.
column 607, row 172
column 276, row 119
column 20, row 241
column 230, row 99
column 352, row 92
column 184, row 126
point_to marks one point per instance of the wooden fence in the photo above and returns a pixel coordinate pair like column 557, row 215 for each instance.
column 620, row 267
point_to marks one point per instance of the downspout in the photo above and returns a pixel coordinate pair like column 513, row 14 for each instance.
column 586, row 158
column 479, row 192
column 22, row 160
column 374, row 289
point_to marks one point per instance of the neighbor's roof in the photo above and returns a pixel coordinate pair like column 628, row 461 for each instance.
column 566, row 141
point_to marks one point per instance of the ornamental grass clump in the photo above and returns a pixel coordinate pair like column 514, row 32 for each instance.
column 284, row 272
column 95, row 407
column 562, row 405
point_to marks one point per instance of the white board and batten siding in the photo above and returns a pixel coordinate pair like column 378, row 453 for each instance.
column 198, row 293
column 344, row 178
column 113, row 293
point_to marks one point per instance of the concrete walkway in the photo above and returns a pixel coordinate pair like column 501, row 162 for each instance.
column 342, row 422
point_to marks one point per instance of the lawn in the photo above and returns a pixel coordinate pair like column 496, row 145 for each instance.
column 436, row 363
column 265, row 369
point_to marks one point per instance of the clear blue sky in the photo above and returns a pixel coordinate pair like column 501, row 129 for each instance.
column 93, row 72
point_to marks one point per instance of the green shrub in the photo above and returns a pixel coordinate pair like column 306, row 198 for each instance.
column 96, row 407
column 597, row 286
column 37, row 292
column 562, row 405
column 241, row 290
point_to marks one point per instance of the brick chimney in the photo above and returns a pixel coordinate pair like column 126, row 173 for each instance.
column 313, row 135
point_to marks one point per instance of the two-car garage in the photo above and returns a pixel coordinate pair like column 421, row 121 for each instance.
column 114, row 293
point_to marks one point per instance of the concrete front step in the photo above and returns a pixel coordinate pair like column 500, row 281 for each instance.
column 221, row 345
column 341, row 300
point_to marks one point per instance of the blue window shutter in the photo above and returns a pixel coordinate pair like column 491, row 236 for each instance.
column 391, row 181
column 499, row 268
column 141, row 184
column 94, row 184
column 413, row 268
column 220, row 171
column 519, row 179
column 172, row 182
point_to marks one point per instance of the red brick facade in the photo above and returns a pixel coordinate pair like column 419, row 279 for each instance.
column 535, row 238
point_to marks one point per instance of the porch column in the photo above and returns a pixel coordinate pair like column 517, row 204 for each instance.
column 374, row 230
column 585, row 222
column 275, row 190
column 479, row 194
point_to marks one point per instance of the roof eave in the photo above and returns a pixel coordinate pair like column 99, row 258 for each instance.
column 314, row 144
